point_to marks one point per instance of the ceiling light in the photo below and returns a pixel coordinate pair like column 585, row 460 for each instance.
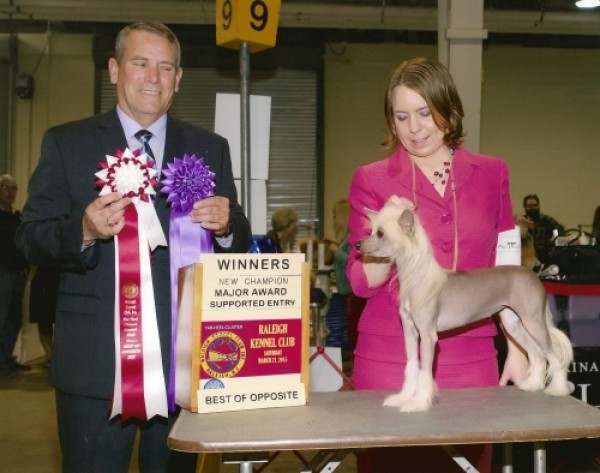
column 588, row 3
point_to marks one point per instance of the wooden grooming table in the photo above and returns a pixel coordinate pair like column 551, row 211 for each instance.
column 338, row 422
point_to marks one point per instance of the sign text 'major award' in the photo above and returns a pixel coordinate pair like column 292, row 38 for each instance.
column 249, row 335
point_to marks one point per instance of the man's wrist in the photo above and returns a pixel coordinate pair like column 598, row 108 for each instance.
column 87, row 244
column 226, row 232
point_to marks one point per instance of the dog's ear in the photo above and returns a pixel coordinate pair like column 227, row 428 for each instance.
column 401, row 202
column 407, row 222
column 394, row 200
column 370, row 212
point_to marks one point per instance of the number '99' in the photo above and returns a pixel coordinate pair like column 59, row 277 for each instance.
column 258, row 11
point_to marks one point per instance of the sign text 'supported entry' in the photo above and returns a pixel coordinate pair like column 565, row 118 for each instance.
column 242, row 340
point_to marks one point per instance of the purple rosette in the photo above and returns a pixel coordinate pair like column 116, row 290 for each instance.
column 186, row 181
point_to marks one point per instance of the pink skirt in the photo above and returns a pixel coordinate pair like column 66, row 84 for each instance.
column 378, row 365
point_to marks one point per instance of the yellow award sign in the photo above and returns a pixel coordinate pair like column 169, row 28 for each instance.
column 243, row 332
column 251, row 21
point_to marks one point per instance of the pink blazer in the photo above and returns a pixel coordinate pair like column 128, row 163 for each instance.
column 484, row 209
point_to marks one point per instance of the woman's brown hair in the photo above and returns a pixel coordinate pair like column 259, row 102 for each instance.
column 432, row 81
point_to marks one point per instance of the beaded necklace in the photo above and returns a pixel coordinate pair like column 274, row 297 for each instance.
column 453, row 189
column 441, row 175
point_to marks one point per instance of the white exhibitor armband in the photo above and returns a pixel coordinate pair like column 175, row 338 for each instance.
column 508, row 250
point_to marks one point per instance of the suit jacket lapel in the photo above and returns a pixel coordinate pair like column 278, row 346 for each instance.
column 110, row 133
column 175, row 145
column 175, row 142
column 463, row 168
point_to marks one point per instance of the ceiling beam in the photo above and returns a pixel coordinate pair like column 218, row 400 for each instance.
column 297, row 15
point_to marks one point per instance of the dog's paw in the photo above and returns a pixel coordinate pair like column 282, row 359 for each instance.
column 532, row 383
column 396, row 400
column 558, row 390
column 417, row 404
column 558, row 385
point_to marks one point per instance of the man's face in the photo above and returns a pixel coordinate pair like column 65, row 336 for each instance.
column 147, row 76
column 8, row 193
column 532, row 208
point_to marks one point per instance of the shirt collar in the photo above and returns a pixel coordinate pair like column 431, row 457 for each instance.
column 131, row 127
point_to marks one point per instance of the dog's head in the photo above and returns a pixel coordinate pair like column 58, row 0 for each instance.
column 392, row 229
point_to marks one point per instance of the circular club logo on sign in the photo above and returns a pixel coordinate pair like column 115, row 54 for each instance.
column 223, row 354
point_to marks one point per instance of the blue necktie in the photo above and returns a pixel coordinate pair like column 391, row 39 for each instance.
column 143, row 136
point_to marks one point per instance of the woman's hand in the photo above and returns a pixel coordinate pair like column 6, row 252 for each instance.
column 516, row 366
column 376, row 269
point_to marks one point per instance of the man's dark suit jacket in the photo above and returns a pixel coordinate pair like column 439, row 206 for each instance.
column 60, row 188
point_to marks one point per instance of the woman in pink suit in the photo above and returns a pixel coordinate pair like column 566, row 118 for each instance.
column 463, row 202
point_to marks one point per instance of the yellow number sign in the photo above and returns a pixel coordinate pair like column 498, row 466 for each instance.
column 251, row 21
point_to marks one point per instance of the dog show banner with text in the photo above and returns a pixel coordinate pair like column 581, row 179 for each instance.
column 243, row 332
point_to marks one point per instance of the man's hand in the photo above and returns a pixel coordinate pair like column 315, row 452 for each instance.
column 213, row 214
column 524, row 221
column 103, row 218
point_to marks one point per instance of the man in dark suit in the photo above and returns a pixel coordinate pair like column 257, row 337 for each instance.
column 66, row 223
column 13, row 272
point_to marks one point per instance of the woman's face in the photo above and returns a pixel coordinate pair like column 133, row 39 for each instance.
column 414, row 123
column 291, row 229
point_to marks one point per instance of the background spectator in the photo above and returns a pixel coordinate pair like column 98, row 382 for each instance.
column 284, row 223
column 542, row 227
column 43, row 295
column 13, row 272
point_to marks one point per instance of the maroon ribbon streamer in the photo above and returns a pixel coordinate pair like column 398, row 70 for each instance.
column 130, row 297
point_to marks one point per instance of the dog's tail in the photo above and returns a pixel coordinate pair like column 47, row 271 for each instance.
column 560, row 342
column 562, row 346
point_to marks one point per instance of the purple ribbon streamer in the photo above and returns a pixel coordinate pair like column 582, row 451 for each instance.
column 187, row 240
column 186, row 181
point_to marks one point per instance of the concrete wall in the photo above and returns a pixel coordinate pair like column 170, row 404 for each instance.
column 63, row 73
column 539, row 113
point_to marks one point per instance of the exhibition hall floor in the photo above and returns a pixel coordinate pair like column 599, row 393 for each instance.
column 29, row 442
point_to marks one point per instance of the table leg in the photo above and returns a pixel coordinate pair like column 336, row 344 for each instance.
column 325, row 461
column 335, row 461
column 246, row 467
column 539, row 457
column 459, row 459
column 315, row 321
column 245, row 459
column 314, row 462
column 507, row 458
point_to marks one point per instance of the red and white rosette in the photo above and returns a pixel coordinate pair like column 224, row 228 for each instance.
column 139, row 390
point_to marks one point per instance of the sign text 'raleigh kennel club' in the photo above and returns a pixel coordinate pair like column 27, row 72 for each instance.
column 249, row 332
